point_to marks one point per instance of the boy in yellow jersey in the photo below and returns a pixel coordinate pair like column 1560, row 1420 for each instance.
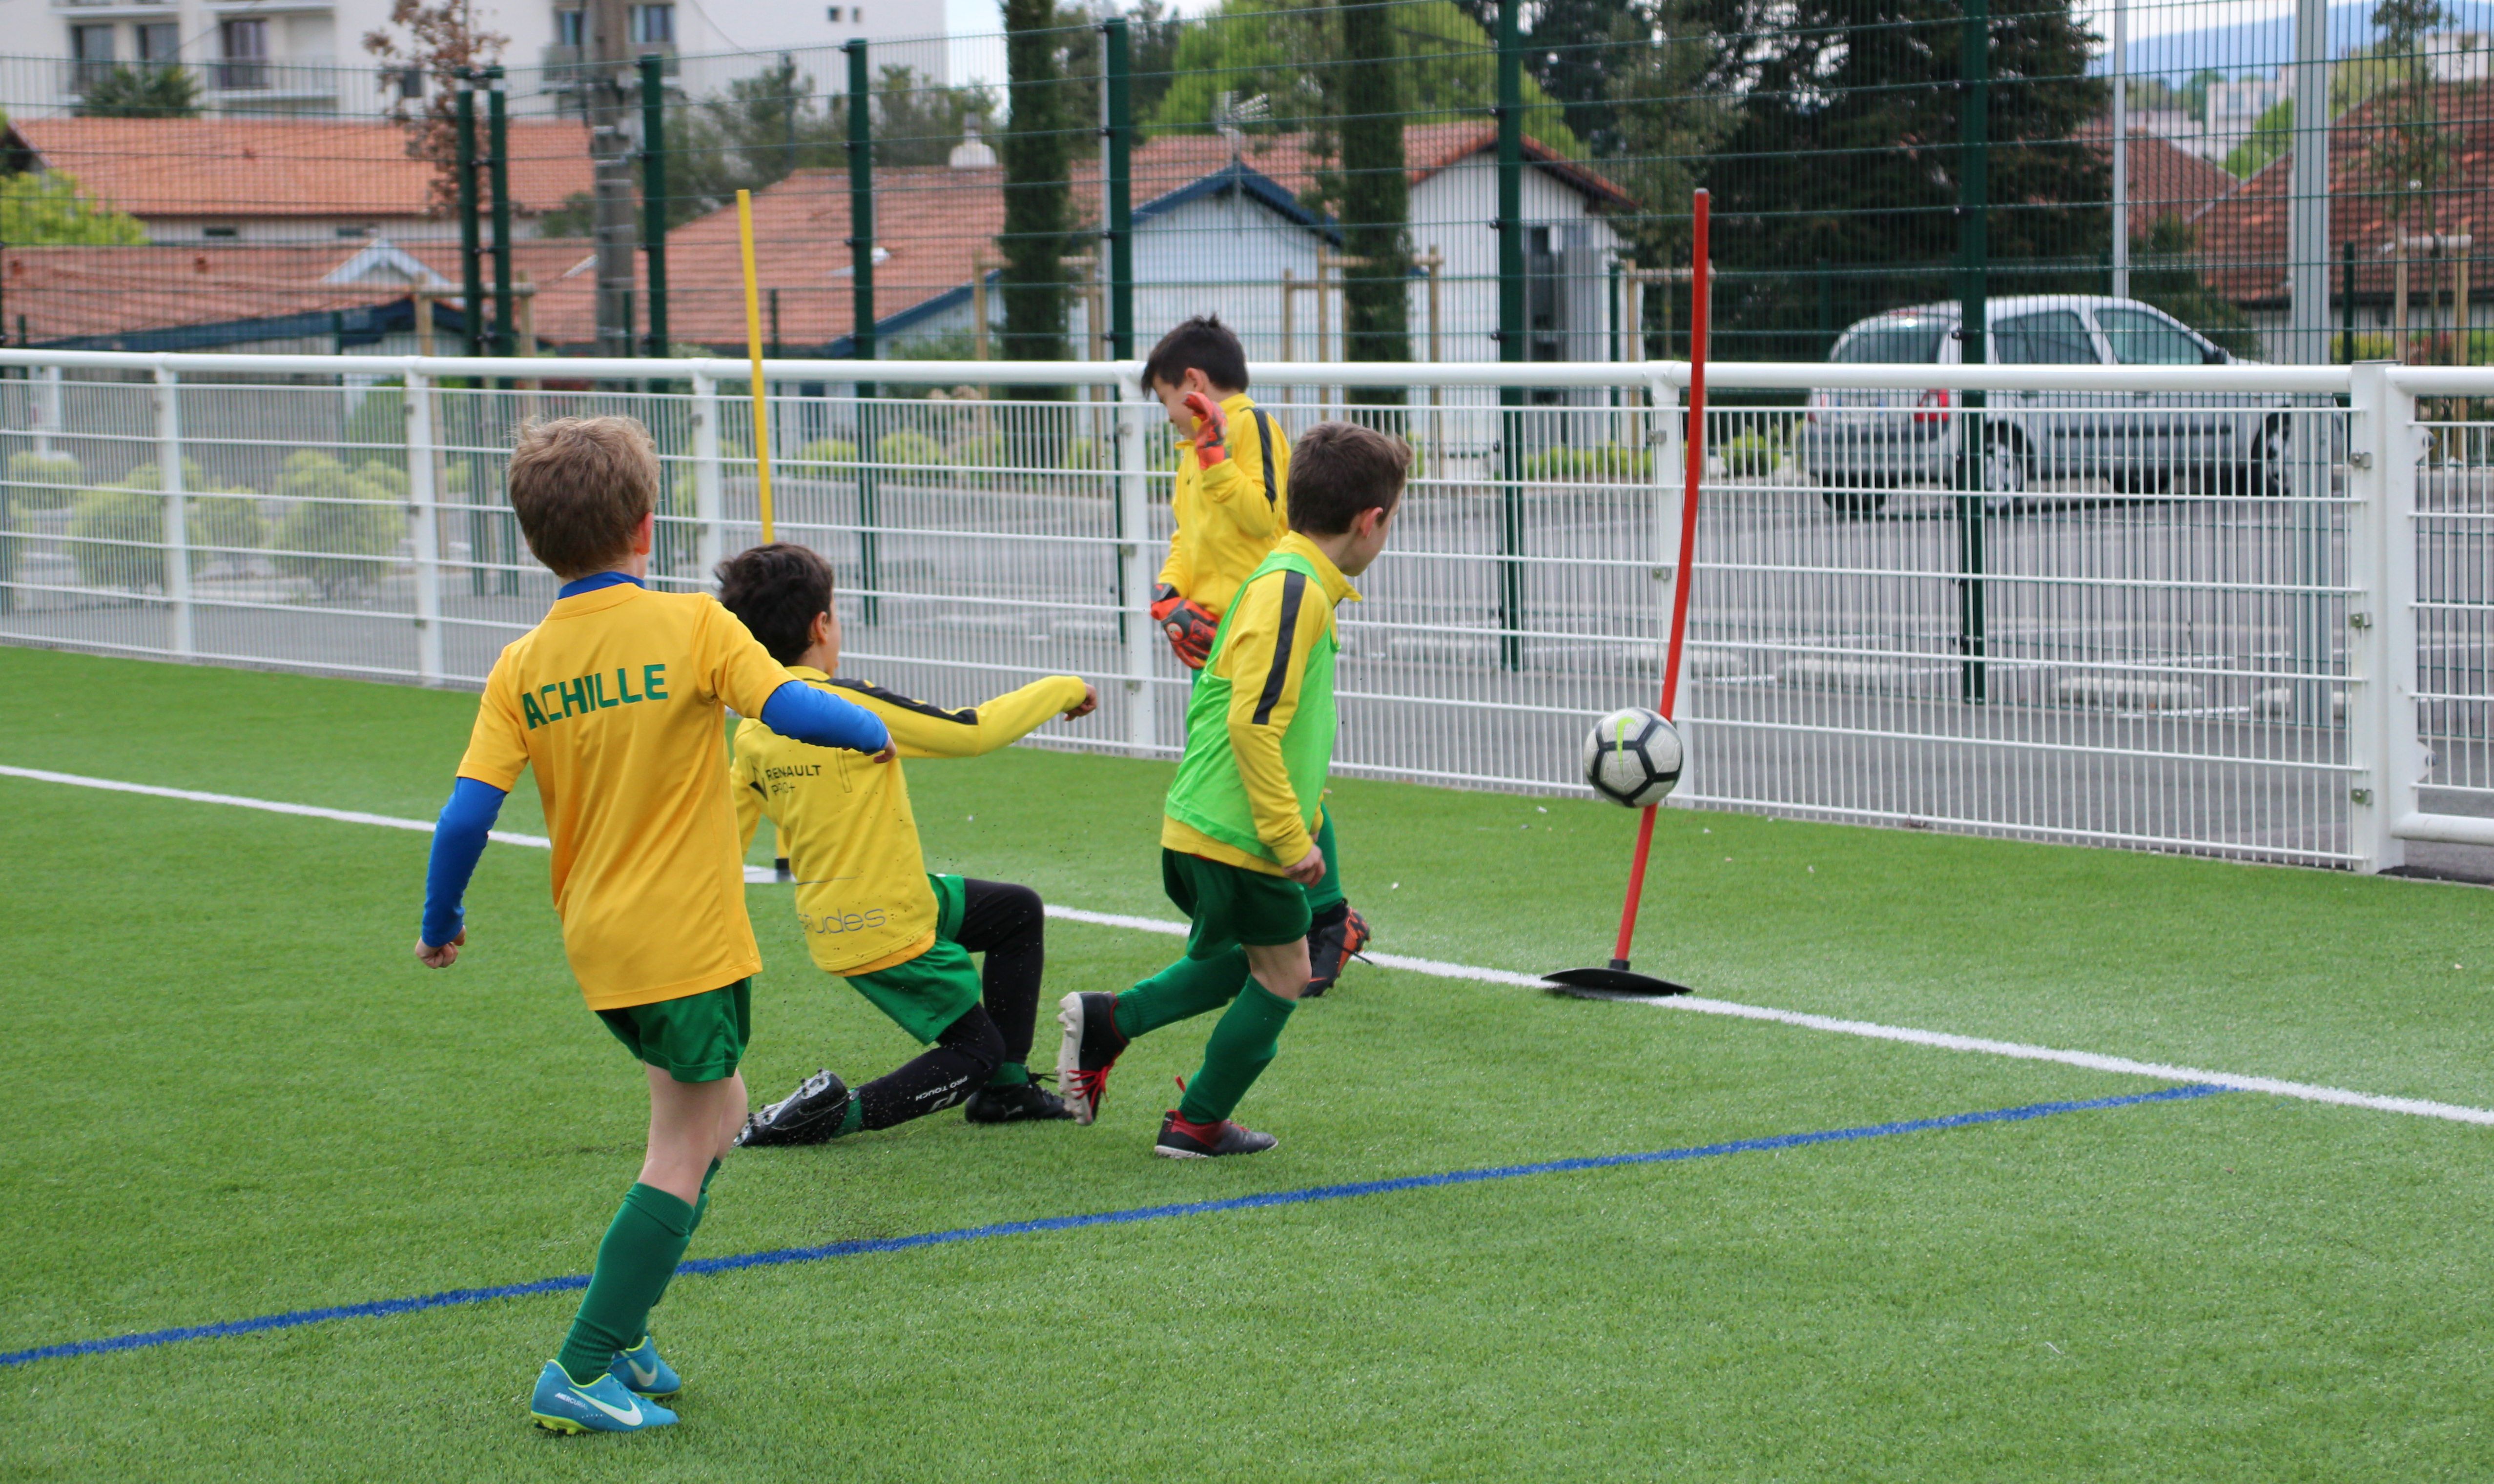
column 1236, row 838
column 615, row 699
column 1230, row 501
column 872, row 913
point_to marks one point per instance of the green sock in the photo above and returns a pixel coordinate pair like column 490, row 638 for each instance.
column 639, row 1255
column 1009, row 1075
column 1328, row 892
column 852, row 1117
column 1241, row 1046
column 1185, row 988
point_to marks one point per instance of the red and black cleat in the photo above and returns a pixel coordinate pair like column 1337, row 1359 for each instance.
column 1334, row 940
column 1183, row 1141
column 1091, row 1047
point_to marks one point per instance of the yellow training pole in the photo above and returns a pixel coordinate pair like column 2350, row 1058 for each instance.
column 753, row 346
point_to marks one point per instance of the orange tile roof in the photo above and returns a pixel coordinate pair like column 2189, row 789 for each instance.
column 2165, row 180
column 228, row 169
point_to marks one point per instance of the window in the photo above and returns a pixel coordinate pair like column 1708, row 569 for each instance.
column 834, row 14
column 1894, row 339
column 355, row 232
column 244, row 46
column 2054, row 338
column 91, row 52
column 2141, row 337
column 572, row 29
column 160, row 44
column 654, row 25
column 219, row 232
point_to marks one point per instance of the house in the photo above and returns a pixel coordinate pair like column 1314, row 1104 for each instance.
column 264, row 180
column 2165, row 180
column 1218, row 228
column 2381, row 234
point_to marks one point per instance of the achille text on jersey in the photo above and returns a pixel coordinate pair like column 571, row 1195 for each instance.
column 557, row 700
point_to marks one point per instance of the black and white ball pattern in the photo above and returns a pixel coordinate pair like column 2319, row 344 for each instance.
column 1632, row 757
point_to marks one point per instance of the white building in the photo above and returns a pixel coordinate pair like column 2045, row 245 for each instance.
column 308, row 56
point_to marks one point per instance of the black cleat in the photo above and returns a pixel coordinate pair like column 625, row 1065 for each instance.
column 1333, row 942
column 1091, row 1047
column 1017, row 1103
column 1183, row 1141
column 809, row 1115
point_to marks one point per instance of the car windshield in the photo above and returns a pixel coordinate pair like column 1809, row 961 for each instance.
column 1899, row 338
column 2140, row 339
column 2056, row 337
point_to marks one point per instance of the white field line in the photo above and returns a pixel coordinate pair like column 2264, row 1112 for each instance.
column 2308, row 1092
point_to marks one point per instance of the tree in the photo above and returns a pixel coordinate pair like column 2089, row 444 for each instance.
column 46, row 208
column 2409, row 152
column 438, row 41
column 1035, row 152
column 1662, row 124
column 1844, row 147
column 2272, row 134
column 141, row 92
column 2166, row 273
column 1447, row 70
column 1375, row 193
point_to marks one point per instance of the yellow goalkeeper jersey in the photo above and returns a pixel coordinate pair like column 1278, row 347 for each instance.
column 845, row 819
column 1228, row 516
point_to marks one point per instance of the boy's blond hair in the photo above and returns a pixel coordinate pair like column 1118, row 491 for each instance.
column 580, row 487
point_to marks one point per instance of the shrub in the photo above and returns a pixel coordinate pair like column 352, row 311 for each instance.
column 986, row 450
column 380, row 422
column 44, row 481
column 827, row 450
column 1751, row 452
column 117, row 535
column 336, row 523
column 1598, row 463
column 910, row 450
column 228, row 520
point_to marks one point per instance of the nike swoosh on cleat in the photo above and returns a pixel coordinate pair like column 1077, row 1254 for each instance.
column 631, row 1418
column 640, row 1377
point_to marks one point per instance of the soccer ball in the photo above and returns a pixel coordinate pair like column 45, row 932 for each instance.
column 1632, row 757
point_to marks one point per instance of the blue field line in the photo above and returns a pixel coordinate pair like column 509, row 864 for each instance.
column 382, row 1308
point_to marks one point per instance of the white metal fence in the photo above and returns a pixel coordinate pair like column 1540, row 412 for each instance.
column 2238, row 610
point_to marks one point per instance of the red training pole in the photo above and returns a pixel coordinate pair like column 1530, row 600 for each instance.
column 1700, row 294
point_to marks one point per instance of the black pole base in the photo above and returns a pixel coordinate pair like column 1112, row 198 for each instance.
column 1612, row 983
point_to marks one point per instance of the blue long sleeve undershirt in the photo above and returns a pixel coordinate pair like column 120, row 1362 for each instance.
column 802, row 713
column 458, row 841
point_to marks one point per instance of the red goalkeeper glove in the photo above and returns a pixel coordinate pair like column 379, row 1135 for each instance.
column 1190, row 626
column 1211, row 432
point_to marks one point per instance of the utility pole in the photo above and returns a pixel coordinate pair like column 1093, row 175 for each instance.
column 603, row 100
column 654, row 195
column 2307, row 230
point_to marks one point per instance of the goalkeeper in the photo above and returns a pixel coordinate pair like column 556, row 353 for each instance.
column 1232, row 506
column 872, row 913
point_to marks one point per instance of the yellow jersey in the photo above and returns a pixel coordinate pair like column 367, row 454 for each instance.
column 844, row 820
column 1266, row 643
column 1230, row 515
column 615, row 699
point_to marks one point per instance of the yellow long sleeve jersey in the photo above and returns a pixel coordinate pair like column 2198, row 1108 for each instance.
column 1230, row 515
column 852, row 843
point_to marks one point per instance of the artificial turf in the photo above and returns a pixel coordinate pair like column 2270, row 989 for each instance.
column 235, row 1093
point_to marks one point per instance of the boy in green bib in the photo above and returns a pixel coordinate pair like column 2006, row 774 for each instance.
column 1236, row 847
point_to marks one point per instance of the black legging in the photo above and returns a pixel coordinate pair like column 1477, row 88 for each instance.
column 1007, row 924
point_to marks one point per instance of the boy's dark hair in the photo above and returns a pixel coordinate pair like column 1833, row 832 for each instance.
column 1201, row 344
column 1340, row 469
column 776, row 589
column 580, row 486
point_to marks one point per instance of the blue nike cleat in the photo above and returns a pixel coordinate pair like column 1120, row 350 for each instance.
column 643, row 1373
column 603, row 1406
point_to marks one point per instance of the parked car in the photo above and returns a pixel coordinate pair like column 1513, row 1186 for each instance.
column 1858, row 444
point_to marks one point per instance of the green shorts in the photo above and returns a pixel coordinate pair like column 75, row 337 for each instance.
column 930, row 991
column 697, row 1039
column 1229, row 905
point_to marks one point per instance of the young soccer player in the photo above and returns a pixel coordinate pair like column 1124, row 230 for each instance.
column 615, row 699
column 1235, row 842
column 872, row 914
column 1234, row 482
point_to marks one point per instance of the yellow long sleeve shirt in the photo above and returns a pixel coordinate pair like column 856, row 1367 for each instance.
column 1230, row 515
column 1265, row 645
column 844, row 818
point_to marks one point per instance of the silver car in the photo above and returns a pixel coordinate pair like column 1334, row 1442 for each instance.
column 1858, row 446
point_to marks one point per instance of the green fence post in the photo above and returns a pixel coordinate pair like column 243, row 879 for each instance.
column 654, row 195
column 2347, row 303
column 471, row 261
column 862, row 335
column 498, row 177
column 1975, row 250
column 1118, row 177
column 1512, row 331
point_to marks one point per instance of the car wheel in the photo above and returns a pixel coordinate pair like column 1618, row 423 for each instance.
column 1858, row 497
column 2266, row 463
column 2002, row 480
